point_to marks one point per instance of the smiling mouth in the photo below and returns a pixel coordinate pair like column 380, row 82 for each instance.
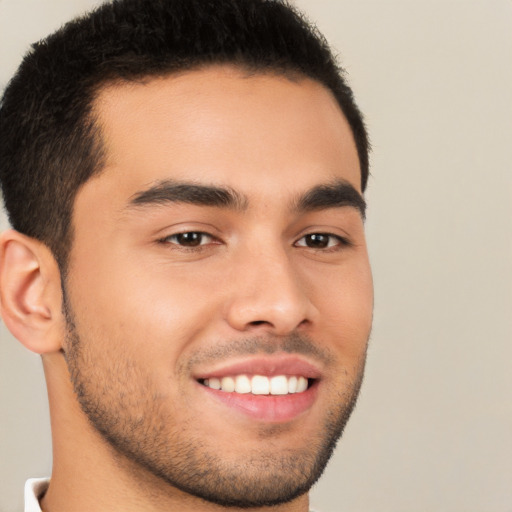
column 259, row 384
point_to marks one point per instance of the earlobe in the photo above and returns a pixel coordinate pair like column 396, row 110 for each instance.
column 30, row 292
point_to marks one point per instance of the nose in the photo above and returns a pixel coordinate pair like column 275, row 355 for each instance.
column 268, row 295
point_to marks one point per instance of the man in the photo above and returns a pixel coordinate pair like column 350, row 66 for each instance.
column 185, row 182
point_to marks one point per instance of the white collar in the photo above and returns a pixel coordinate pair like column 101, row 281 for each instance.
column 34, row 489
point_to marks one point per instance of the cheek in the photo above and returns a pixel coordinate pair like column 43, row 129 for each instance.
column 346, row 309
column 359, row 297
column 151, row 312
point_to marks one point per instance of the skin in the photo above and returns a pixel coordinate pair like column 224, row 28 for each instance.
column 146, row 315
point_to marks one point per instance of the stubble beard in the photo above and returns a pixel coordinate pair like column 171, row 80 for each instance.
column 122, row 404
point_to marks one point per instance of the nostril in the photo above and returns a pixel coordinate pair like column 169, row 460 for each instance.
column 258, row 322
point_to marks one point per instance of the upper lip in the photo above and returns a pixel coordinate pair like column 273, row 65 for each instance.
column 264, row 365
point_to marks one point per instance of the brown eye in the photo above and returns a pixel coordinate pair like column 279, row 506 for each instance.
column 190, row 239
column 321, row 241
column 317, row 241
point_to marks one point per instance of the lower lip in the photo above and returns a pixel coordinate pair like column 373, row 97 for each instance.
column 269, row 408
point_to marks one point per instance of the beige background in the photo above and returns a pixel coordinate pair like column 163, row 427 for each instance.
column 433, row 428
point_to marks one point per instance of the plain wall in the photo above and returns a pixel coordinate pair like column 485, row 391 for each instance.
column 433, row 428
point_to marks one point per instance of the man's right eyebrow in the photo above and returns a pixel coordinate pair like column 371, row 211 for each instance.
column 170, row 191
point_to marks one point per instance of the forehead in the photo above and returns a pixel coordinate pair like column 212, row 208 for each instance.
column 221, row 126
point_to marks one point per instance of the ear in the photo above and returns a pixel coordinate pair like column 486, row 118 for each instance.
column 30, row 293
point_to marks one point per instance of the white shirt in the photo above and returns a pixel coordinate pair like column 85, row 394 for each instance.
column 34, row 489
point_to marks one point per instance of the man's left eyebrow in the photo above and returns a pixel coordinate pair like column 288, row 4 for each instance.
column 331, row 195
column 170, row 191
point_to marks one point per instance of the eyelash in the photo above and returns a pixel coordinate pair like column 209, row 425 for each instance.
column 168, row 240
column 339, row 241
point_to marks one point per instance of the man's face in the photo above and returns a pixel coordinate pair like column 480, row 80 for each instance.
column 222, row 245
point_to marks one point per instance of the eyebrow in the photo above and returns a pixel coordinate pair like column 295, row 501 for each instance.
column 170, row 191
column 337, row 194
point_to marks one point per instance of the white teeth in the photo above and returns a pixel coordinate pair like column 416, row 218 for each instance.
column 214, row 383
column 259, row 384
column 279, row 385
column 292, row 385
column 302, row 384
column 227, row 384
column 242, row 384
